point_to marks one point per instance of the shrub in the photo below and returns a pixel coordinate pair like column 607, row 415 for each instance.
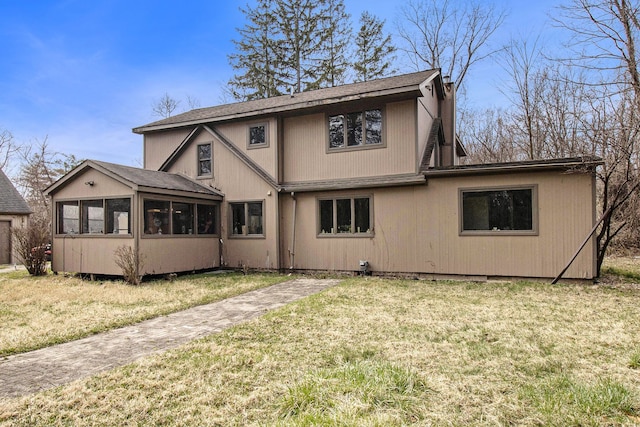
column 31, row 245
column 130, row 262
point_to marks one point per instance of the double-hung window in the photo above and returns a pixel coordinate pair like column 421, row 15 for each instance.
column 247, row 219
column 345, row 216
column 204, row 160
column 502, row 210
column 359, row 129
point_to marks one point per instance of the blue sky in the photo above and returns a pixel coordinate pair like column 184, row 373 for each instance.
column 83, row 73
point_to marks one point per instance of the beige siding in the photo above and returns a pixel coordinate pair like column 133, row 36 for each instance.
column 241, row 184
column 87, row 254
column 103, row 186
column 265, row 157
column 174, row 254
column 187, row 163
column 159, row 146
column 417, row 231
column 306, row 140
column 427, row 108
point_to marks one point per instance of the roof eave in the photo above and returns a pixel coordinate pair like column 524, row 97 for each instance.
column 497, row 168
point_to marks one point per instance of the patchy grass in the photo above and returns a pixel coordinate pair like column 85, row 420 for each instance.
column 626, row 269
column 379, row 352
column 36, row 312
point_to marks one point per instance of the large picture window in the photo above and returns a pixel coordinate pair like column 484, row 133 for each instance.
column 91, row 216
column 247, row 219
column 359, row 129
column 509, row 210
column 345, row 216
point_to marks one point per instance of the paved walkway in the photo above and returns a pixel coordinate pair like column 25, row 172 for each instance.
column 38, row 370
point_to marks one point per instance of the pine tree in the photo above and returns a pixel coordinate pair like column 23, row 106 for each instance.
column 374, row 51
column 256, row 58
column 337, row 29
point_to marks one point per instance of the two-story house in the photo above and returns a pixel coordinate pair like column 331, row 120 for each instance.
column 364, row 175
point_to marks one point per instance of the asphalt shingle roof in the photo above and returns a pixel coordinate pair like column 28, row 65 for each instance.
column 396, row 84
column 11, row 202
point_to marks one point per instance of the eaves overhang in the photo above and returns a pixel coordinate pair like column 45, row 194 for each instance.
column 354, row 183
column 587, row 163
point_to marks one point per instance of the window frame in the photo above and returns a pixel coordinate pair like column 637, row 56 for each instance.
column 80, row 204
column 245, row 232
column 264, row 144
column 364, row 146
column 334, row 233
column 199, row 161
column 499, row 232
column 195, row 208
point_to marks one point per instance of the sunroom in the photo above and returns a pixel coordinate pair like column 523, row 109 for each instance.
column 171, row 221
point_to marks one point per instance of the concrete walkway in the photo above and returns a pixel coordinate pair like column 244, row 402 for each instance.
column 38, row 370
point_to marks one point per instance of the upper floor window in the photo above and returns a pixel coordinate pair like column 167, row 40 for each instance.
column 258, row 136
column 355, row 130
column 204, row 159
column 345, row 216
column 509, row 210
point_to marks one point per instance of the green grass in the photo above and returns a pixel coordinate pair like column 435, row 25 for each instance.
column 376, row 352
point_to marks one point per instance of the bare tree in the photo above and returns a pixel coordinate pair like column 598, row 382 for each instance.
column 165, row 106
column 447, row 34
column 8, row 148
column 488, row 136
column 40, row 168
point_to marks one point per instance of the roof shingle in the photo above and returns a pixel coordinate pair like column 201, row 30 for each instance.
column 11, row 202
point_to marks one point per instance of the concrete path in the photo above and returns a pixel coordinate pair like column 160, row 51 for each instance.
column 38, row 370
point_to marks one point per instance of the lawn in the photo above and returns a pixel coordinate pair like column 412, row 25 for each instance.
column 36, row 312
column 380, row 352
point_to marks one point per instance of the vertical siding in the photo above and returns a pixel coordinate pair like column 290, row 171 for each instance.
column 173, row 254
column 417, row 231
column 187, row 163
column 306, row 140
column 158, row 146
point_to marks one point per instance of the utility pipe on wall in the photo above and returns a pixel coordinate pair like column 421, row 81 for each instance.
column 292, row 250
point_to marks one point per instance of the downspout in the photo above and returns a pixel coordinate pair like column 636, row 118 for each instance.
column 292, row 250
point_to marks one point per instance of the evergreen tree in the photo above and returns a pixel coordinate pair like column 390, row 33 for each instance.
column 337, row 29
column 301, row 43
column 255, row 61
column 374, row 51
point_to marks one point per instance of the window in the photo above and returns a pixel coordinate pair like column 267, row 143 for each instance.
column 246, row 219
column 204, row 160
column 508, row 210
column 118, row 218
column 68, row 217
column 345, row 216
column 183, row 218
column 355, row 130
column 208, row 219
column 91, row 216
column 258, row 136
column 156, row 216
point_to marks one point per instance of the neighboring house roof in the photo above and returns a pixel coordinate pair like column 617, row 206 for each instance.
column 11, row 202
column 390, row 86
column 139, row 179
column 568, row 163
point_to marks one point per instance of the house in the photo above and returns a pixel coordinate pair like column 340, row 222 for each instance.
column 360, row 176
column 14, row 212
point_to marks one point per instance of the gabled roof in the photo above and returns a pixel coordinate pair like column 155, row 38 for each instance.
column 139, row 179
column 11, row 202
column 398, row 85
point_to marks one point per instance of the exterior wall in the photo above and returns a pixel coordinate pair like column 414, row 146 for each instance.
column 79, row 253
column 187, row 163
column 7, row 244
column 416, row 230
column 241, row 184
column 427, row 110
column 306, row 156
column 158, row 146
column 168, row 254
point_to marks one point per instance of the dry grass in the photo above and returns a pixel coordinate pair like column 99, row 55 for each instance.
column 384, row 352
column 39, row 311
